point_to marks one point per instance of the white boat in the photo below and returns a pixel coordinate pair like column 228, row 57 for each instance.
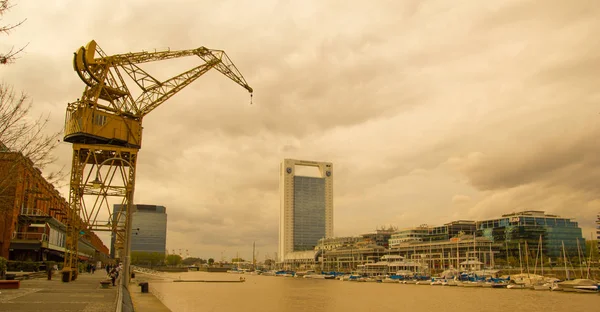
column 579, row 285
column 319, row 276
column 304, row 273
column 544, row 286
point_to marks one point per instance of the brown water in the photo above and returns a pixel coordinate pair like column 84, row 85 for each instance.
column 269, row 293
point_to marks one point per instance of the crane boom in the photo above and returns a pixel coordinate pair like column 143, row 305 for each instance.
column 105, row 127
column 107, row 95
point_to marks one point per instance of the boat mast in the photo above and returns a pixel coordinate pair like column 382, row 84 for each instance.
column 430, row 259
column 443, row 267
column 492, row 257
column 253, row 256
column 542, row 254
column 537, row 255
column 579, row 255
column 565, row 259
column 589, row 262
column 527, row 258
column 520, row 262
column 457, row 255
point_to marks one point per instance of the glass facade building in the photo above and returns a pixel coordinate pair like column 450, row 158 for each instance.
column 309, row 212
column 149, row 224
column 517, row 229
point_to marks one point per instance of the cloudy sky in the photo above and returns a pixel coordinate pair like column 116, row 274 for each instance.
column 430, row 111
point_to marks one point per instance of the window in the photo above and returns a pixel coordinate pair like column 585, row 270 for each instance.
column 99, row 120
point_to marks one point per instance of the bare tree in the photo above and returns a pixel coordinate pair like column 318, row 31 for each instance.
column 8, row 57
column 19, row 133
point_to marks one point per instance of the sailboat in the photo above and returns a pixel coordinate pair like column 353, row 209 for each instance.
column 576, row 285
column 541, row 284
column 518, row 283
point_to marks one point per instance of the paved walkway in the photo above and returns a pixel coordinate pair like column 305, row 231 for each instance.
column 83, row 295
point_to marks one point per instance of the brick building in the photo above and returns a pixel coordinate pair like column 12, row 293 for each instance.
column 33, row 215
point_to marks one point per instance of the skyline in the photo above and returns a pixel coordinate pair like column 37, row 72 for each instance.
column 430, row 112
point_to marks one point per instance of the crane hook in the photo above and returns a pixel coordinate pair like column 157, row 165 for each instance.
column 251, row 98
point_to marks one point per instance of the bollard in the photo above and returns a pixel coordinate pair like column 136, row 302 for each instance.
column 66, row 276
column 144, row 286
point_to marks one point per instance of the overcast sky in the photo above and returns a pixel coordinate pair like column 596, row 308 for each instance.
column 430, row 111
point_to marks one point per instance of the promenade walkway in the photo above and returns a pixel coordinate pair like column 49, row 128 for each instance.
column 83, row 295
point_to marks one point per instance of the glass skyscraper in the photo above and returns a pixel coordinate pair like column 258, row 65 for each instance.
column 309, row 212
column 306, row 214
column 149, row 223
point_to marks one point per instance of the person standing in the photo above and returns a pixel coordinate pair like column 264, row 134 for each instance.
column 113, row 275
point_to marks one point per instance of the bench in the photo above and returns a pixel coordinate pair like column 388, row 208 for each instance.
column 12, row 284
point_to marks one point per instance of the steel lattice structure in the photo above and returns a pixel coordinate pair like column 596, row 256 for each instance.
column 105, row 127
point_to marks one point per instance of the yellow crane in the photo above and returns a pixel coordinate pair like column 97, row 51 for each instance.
column 105, row 128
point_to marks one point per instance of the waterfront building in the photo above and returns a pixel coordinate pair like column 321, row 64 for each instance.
column 443, row 254
column 381, row 236
column 348, row 258
column 149, row 224
column 332, row 243
column 306, row 206
column 416, row 234
column 452, row 229
column 425, row 233
column 33, row 215
column 515, row 229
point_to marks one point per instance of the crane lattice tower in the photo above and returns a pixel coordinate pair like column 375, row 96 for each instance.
column 105, row 128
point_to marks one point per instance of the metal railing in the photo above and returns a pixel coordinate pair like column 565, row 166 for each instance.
column 33, row 212
column 43, row 237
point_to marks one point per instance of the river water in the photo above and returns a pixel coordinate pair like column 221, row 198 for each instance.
column 270, row 293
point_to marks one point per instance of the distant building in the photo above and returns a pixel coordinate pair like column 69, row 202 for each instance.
column 416, row 234
column 425, row 233
column 149, row 224
column 306, row 206
column 380, row 237
column 516, row 229
column 598, row 231
column 332, row 243
column 453, row 229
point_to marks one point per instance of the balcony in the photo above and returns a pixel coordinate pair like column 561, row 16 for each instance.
column 41, row 237
column 33, row 212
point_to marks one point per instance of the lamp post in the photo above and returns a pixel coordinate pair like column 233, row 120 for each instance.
column 97, row 183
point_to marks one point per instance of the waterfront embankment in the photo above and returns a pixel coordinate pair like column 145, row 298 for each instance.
column 147, row 301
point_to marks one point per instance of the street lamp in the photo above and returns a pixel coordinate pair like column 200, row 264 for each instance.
column 97, row 183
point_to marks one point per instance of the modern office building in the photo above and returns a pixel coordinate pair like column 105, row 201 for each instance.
column 515, row 229
column 306, row 206
column 149, row 224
